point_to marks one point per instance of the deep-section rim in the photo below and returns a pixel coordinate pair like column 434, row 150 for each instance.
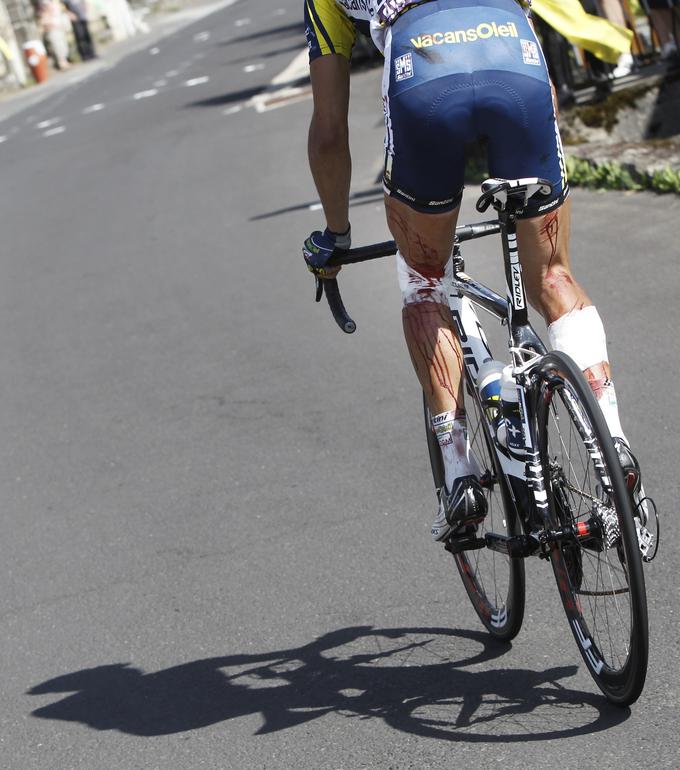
column 622, row 686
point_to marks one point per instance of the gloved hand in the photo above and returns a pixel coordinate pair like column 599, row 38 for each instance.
column 317, row 250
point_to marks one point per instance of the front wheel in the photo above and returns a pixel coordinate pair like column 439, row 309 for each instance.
column 597, row 565
column 494, row 582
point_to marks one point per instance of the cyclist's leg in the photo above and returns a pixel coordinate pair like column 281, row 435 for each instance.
column 526, row 143
column 425, row 242
column 574, row 325
column 427, row 117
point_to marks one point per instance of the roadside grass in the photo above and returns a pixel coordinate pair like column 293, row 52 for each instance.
column 607, row 175
column 611, row 175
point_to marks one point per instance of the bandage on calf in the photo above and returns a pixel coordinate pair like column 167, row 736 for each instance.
column 580, row 334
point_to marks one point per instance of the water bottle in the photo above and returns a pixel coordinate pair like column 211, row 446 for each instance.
column 511, row 433
column 500, row 401
column 489, row 387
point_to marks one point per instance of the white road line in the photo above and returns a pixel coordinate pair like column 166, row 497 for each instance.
column 233, row 110
column 196, row 81
column 298, row 68
column 241, row 22
column 145, row 94
column 280, row 94
column 201, row 37
column 3, row 139
column 154, row 51
column 253, row 67
column 47, row 123
column 316, row 207
column 281, row 97
column 55, row 131
column 93, row 108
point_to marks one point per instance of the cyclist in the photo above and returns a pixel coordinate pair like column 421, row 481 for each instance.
column 454, row 70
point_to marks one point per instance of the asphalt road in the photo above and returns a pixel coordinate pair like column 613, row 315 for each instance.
column 215, row 543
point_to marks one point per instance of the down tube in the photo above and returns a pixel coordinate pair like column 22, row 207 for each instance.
column 472, row 338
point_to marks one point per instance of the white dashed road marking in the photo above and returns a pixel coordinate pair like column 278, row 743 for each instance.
column 197, row 81
column 3, row 139
column 282, row 94
column 241, row 22
column 201, row 37
column 145, row 94
column 93, row 108
column 47, row 123
column 55, row 131
column 298, row 68
column 154, row 51
column 233, row 110
column 253, row 67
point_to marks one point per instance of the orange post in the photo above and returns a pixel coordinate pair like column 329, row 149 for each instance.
column 36, row 58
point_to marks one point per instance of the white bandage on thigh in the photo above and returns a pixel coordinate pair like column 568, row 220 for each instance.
column 416, row 287
column 580, row 334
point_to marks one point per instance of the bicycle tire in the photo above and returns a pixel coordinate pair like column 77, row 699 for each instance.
column 494, row 582
column 598, row 570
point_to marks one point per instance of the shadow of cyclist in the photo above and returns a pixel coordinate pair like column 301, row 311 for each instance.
column 403, row 676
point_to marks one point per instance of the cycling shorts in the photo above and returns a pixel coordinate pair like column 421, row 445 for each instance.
column 455, row 73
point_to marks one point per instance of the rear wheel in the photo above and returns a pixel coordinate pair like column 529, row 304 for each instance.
column 493, row 581
column 598, row 568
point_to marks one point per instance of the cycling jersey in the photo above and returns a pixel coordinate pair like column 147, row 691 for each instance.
column 330, row 25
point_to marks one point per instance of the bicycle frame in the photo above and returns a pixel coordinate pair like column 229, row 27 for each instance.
column 525, row 346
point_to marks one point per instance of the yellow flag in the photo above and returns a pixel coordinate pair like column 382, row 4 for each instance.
column 601, row 37
column 5, row 50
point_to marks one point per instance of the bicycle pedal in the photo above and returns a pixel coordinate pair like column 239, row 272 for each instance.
column 468, row 541
column 648, row 539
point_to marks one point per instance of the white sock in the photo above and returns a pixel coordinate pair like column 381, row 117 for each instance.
column 452, row 435
column 605, row 395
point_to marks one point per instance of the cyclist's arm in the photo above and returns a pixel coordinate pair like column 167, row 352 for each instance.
column 330, row 37
column 328, row 144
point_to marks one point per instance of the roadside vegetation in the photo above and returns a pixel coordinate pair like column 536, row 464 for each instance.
column 611, row 175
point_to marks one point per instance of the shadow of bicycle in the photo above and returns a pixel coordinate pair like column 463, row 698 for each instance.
column 403, row 676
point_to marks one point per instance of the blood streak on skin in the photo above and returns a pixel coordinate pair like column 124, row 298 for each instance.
column 550, row 234
column 598, row 380
column 432, row 347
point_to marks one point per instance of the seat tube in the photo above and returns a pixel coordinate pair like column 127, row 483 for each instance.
column 517, row 298
column 518, row 313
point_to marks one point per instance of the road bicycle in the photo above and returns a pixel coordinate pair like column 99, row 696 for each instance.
column 550, row 472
